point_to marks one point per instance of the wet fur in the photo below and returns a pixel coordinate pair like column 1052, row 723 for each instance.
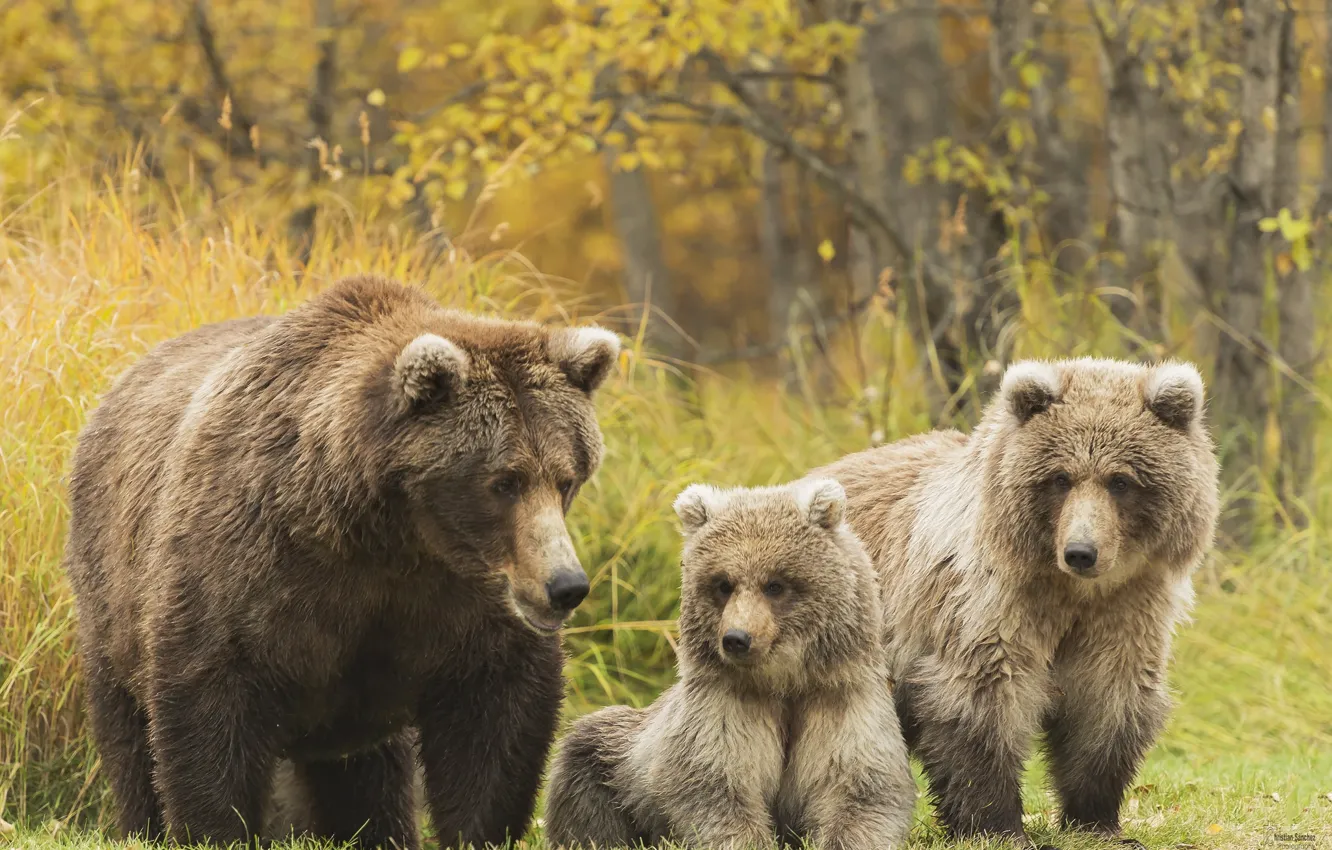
column 805, row 741
column 284, row 547
column 991, row 638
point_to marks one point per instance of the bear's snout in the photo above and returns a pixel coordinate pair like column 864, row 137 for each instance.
column 1080, row 556
column 567, row 589
column 736, row 643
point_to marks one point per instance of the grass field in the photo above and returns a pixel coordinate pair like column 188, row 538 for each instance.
column 93, row 273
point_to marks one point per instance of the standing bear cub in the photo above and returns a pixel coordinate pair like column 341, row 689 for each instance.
column 782, row 720
column 333, row 538
column 1033, row 574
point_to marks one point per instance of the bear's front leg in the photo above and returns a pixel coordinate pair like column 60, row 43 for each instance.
column 847, row 780
column 712, row 765
column 213, row 728
column 485, row 736
column 971, row 720
column 1113, row 705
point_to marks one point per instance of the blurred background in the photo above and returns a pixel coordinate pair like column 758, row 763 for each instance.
column 825, row 224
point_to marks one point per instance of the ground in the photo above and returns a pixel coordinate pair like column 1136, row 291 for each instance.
column 1178, row 802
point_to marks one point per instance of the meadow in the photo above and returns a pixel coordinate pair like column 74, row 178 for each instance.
column 96, row 269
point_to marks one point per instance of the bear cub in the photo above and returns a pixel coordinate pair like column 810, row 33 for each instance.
column 782, row 721
column 1033, row 573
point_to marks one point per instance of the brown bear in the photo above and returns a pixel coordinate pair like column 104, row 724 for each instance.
column 1033, row 574
column 335, row 537
column 782, row 722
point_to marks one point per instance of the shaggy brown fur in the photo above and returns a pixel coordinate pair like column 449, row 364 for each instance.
column 1033, row 574
column 314, row 536
column 781, row 720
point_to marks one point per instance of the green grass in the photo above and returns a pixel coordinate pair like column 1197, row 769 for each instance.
column 92, row 274
column 1178, row 802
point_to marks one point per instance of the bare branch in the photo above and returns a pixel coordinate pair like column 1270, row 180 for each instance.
column 238, row 135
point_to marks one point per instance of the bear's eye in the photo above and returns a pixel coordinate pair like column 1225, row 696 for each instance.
column 1120, row 483
column 1062, row 481
column 773, row 589
column 565, row 487
column 509, row 486
column 725, row 588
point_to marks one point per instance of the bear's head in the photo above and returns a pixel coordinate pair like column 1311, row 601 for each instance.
column 1100, row 468
column 487, row 431
column 777, row 592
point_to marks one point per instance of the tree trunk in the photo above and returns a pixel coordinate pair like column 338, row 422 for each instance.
column 320, row 112
column 778, row 245
column 647, row 281
column 1138, row 177
column 874, row 250
column 1242, row 373
column 1295, row 305
column 1064, row 164
column 870, row 157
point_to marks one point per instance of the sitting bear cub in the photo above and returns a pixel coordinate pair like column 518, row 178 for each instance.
column 783, row 718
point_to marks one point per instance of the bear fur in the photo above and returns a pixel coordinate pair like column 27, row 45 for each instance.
column 1033, row 574
column 335, row 537
column 782, row 721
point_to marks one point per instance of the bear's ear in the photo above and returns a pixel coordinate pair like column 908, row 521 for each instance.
column 698, row 504
column 430, row 370
column 1029, row 388
column 585, row 354
column 822, row 500
column 1174, row 392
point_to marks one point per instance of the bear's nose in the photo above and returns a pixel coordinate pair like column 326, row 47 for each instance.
column 567, row 589
column 736, row 642
column 1080, row 556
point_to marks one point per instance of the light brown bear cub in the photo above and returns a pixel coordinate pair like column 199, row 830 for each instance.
column 1033, row 574
column 782, row 720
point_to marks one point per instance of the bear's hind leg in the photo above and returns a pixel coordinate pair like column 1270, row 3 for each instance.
column 365, row 798
column 120, row 730
column 214, row 733
column 582, row 809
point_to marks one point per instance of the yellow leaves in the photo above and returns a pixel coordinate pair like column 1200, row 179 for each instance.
column 1016, row 135
column 410, row 58
column 491, row 122
column 375, row 97
column 1291, row 228
column 456, row 188
column 1214, row 829
column 827, row 251
column 634, row 120
column 458, row 51
column 913, row 170
column 627, row 162
column 1270, row 119
column 1296, row 232
column 521, row 127
column 1031, row 74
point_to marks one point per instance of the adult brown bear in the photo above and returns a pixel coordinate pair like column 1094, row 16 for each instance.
column 1033, row 575
column 321, row 537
